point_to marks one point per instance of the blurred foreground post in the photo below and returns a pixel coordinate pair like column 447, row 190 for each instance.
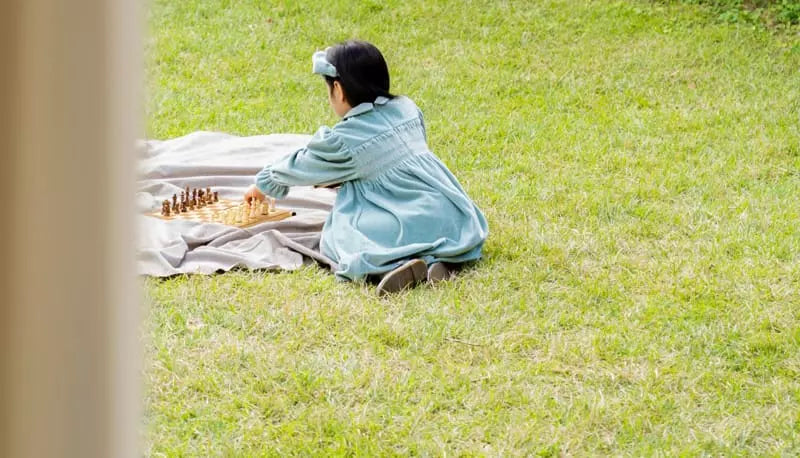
column 69, row 350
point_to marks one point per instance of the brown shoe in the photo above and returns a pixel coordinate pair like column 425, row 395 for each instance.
column 438, row 271
column 405, row 276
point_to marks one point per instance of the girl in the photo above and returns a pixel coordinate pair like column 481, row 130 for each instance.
column 400, row 216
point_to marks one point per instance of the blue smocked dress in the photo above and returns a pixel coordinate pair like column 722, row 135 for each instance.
column 397, row 199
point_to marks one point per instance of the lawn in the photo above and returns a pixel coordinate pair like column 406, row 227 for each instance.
column 639, row 165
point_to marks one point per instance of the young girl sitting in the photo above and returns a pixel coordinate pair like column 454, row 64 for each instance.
column 400, row 216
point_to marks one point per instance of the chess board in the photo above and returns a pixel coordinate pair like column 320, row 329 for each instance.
column 207, row 214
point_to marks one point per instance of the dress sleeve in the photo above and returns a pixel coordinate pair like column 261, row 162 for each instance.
column 325, row 160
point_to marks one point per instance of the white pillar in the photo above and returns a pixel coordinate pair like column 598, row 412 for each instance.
column 69, row 350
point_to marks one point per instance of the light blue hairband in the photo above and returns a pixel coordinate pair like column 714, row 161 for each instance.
column 322, row 66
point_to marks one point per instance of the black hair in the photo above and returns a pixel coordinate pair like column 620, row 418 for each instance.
column 362, row 70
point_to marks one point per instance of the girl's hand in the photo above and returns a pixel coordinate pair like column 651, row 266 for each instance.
column 253, row 193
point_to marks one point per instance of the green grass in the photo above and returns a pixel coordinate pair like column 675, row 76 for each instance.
column 639, row 165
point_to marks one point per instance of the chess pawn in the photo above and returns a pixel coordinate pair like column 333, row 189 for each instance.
column 216, row 196
column 272, row 204
column 264, row 208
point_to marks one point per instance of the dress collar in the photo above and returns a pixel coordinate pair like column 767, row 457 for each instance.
column 365, row 107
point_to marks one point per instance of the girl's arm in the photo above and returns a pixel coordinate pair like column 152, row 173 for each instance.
column 326, row 159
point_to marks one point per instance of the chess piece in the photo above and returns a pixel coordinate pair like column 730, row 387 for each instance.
column 183, row 207
column 208, row 194
column 272, row 204
column 216, row 196
column 165, row 208
column 264, row 208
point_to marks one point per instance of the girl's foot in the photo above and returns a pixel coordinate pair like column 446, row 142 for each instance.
column 405, row 276
column 438, row 271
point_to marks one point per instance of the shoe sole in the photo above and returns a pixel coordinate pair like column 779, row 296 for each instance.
column 403, row 277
